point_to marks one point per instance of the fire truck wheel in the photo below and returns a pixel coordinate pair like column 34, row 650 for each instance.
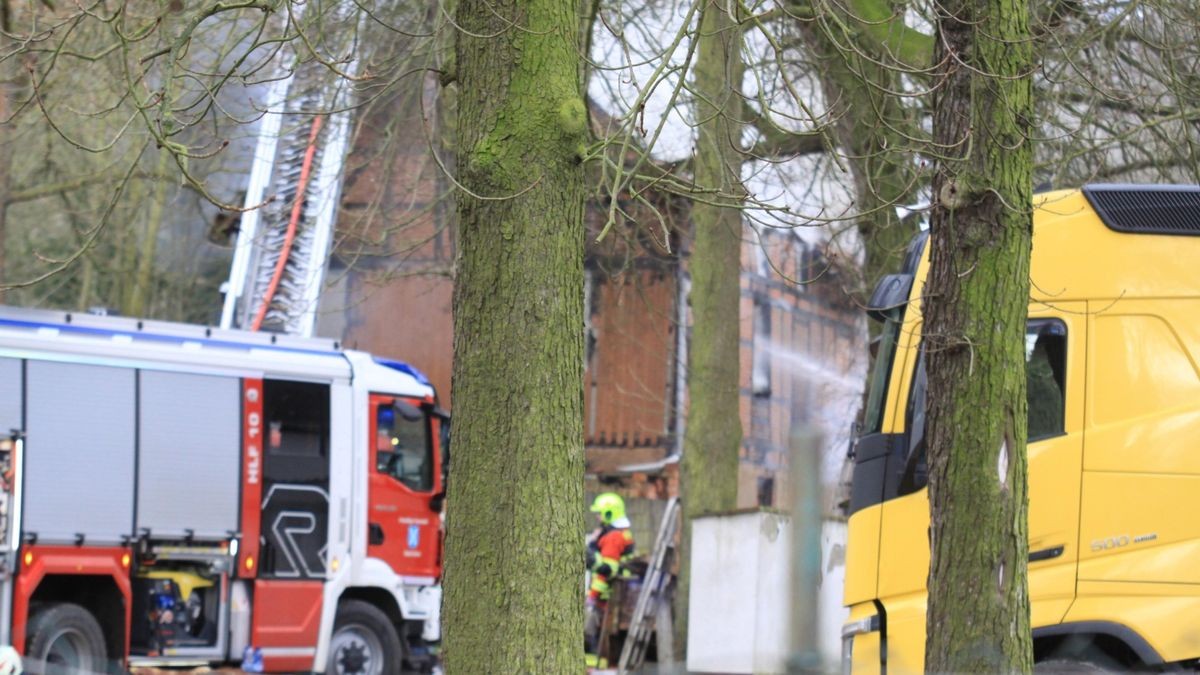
column 66, row 638
column 364, row 641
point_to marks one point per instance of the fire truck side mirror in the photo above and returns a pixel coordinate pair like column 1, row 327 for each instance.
column 445, row 440
column 444, row 434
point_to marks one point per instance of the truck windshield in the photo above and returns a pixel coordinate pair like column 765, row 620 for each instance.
column 889, row 300
column 403, row 449
column 888, row 339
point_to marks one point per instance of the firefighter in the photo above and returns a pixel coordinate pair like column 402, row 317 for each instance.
column 609, row 547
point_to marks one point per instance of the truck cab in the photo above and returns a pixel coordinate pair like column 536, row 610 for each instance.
column 1112, row 359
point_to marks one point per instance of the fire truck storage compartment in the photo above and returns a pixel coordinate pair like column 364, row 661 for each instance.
column 94, row 433
column 189, row 449
column 79, row 457
column 295, row 506
column 178, row 607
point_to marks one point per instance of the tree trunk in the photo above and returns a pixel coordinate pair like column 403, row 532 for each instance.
column 137, row 298
column 514, row 548
column 977, row 300
column 881, row 162
column 875, row 130
column 864, row 49
column 714, row 430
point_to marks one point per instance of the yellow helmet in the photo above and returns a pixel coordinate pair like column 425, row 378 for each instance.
column 610, row 506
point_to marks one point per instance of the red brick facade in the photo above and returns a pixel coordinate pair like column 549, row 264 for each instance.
column 392, row 289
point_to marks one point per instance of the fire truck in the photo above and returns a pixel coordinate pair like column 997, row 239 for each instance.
column 176, row 494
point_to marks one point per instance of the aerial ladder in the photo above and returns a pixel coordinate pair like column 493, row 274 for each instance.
column 286, row 232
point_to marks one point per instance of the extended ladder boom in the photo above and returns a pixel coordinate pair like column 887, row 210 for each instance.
column 285, row 237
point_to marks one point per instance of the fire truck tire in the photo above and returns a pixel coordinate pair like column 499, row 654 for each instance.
column 364, row 641
column 64, row 638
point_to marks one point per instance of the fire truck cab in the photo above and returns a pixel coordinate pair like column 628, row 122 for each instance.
column 176, row 494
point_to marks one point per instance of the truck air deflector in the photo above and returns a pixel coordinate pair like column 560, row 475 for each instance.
column 1147, row 209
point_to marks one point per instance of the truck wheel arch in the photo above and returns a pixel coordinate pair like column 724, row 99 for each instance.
column 97, row 594
column 378, row 597
column 1088, row 640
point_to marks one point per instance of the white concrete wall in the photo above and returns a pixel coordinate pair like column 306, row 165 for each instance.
column 740, row 599
column 833, row 581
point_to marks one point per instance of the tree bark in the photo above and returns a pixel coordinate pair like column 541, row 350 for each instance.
column 514, row 548
column 976, row 304
column 714, row 430
column 881, row 159
column 864, row 49
column 137, row 296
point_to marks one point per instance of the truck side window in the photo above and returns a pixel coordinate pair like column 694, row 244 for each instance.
column 1045, row 387
column 297, row 418
column 1045, row 377
column 403, row 449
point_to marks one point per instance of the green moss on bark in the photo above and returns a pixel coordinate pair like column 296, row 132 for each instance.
column 513, row 580
column 714, row 431
column 977, row 303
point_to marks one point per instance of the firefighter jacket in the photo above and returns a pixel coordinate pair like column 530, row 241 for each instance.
column 607, row 554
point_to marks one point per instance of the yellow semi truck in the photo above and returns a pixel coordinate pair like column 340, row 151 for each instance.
column 1113, row 369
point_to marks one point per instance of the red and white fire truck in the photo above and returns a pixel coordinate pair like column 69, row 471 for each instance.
column 180, row 494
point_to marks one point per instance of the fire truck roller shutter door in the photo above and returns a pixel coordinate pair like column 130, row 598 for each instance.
column 188, row 454
column 79, row 452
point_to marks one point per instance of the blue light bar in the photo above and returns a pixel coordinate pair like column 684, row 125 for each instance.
column 404, row 368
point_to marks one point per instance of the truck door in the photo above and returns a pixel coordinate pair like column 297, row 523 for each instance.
column 403, row 529
column 1141, row 479
column 295, row 500
column 288, row 593
column 1055, row 358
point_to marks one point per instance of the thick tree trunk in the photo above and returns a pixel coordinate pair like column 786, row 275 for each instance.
column 514, row 549
column 714, row 430
column 5, row 188
column 877, row 133
column 884, row 171
column 976, row 303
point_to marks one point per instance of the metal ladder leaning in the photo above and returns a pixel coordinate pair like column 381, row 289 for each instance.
column 654, row 586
